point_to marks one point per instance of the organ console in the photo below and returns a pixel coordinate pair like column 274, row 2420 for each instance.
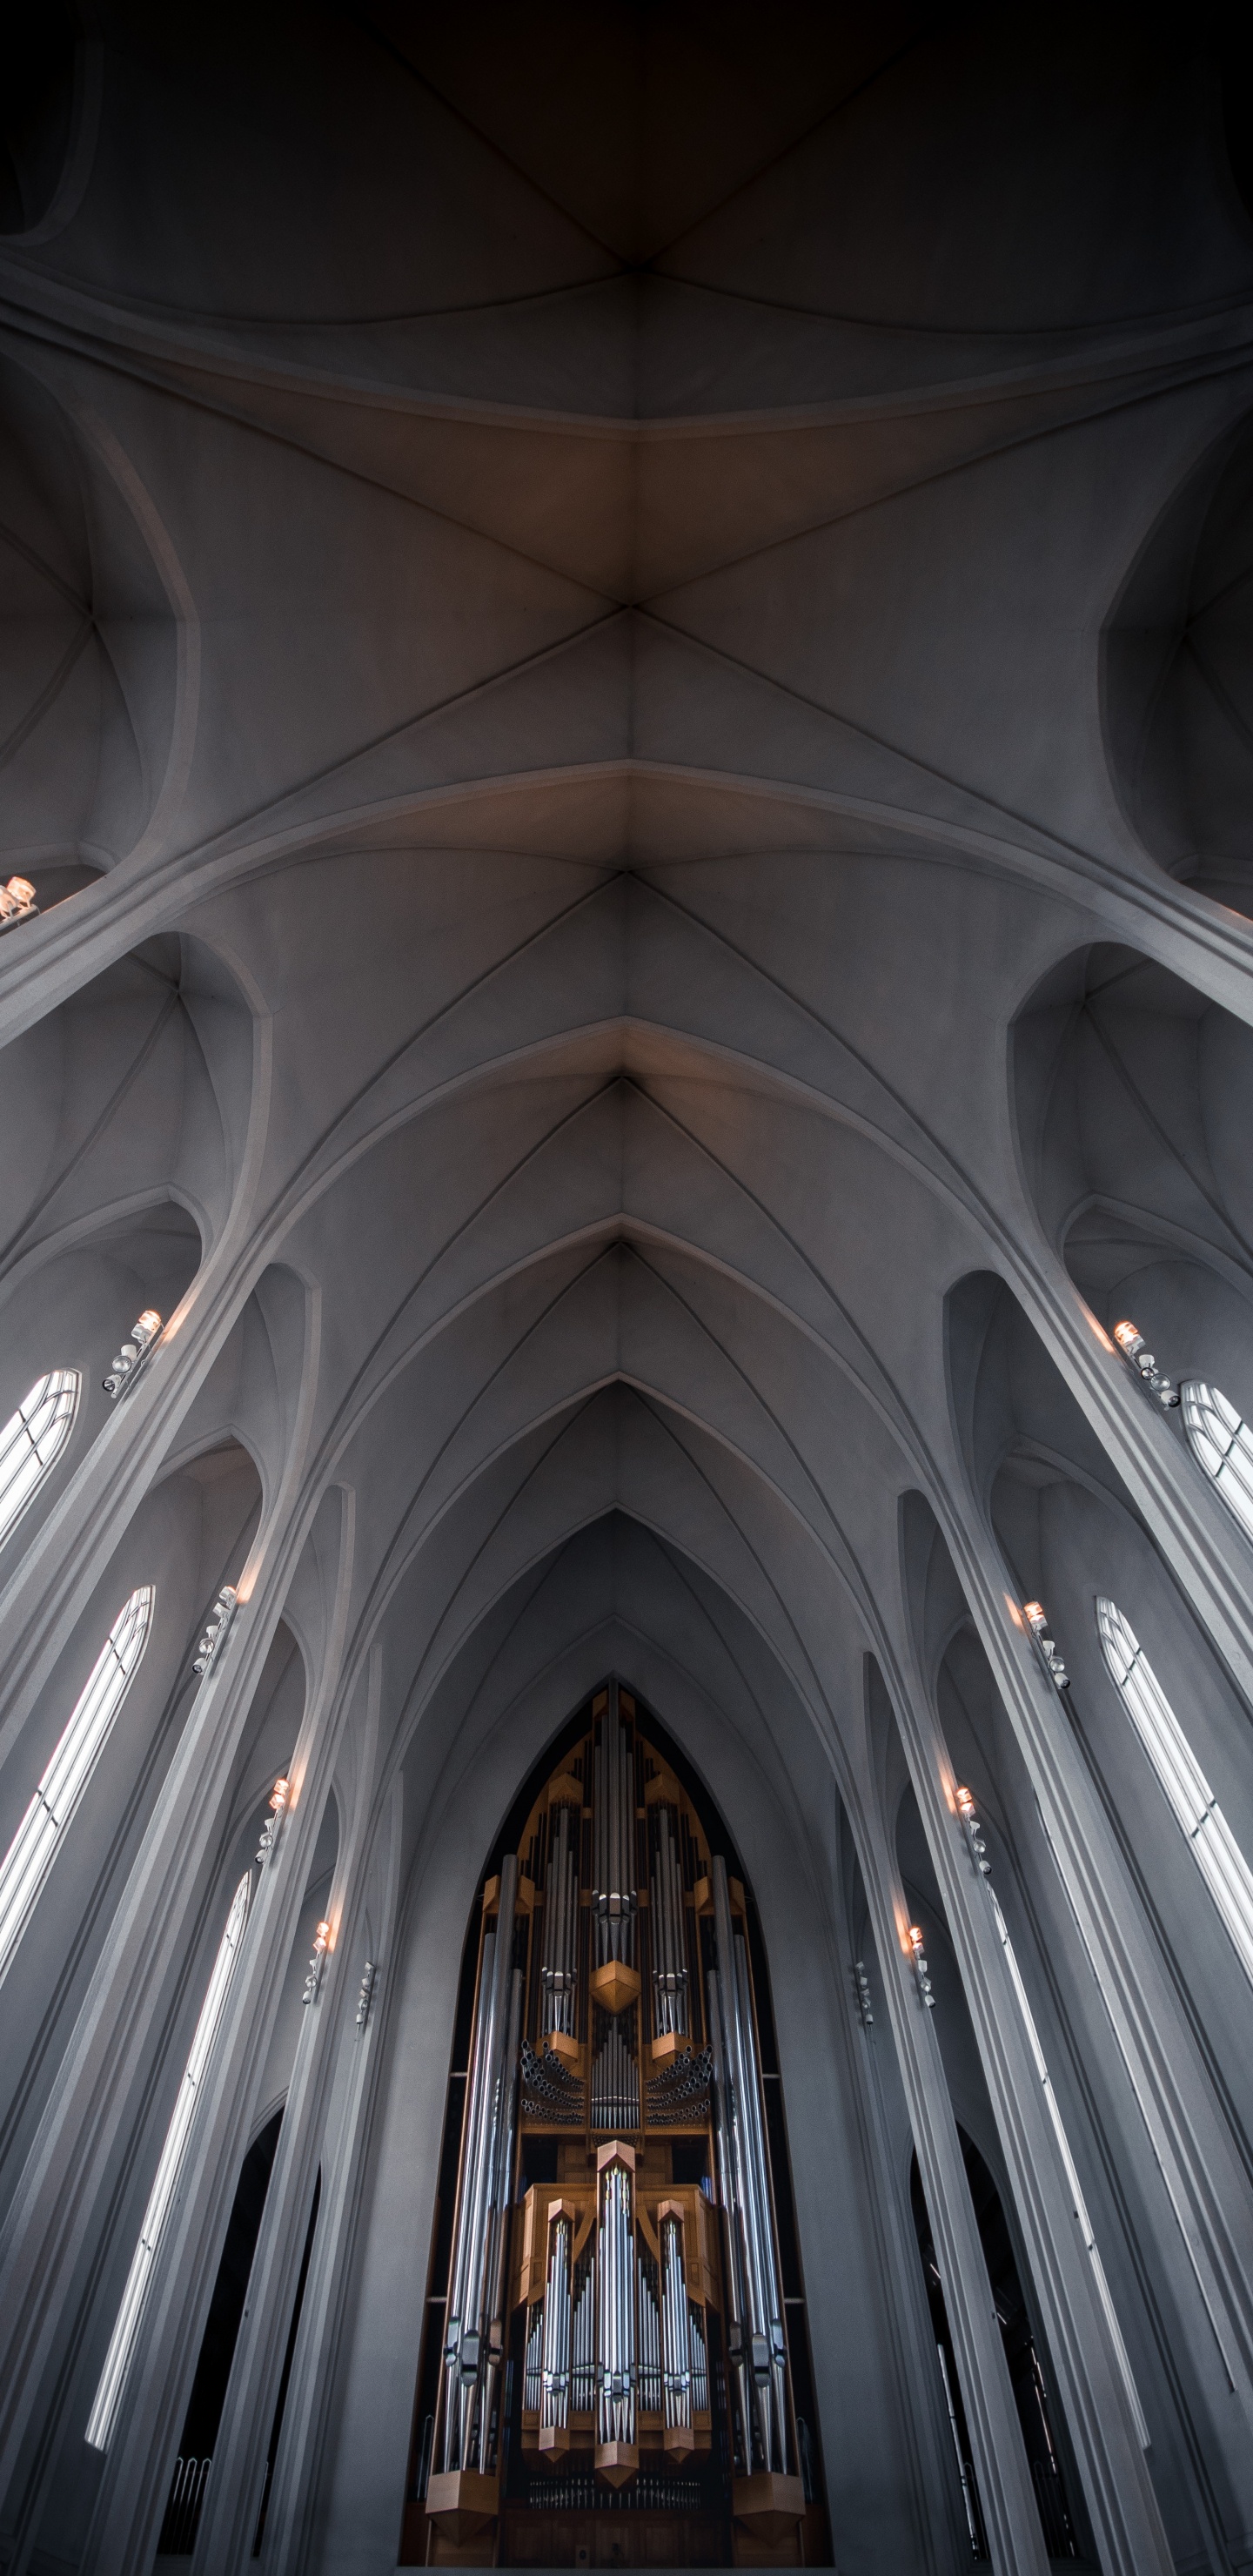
column 610, row 2334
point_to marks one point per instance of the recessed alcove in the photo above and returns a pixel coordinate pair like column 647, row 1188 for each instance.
column 1132, row 1095
column 135, row 1090
column 88, row 646
column 1178, row 677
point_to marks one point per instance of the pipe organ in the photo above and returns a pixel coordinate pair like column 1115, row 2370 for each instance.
column 612, row 2333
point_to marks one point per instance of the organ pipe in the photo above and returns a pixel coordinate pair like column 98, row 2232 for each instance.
column 616, row 2346
column 474, row 2333
column 676, row 2329
column 760, row 2363
column 669, row 1940
column 561, row 1923
column 647, row 2328
column 555, row 2404
column 614, row 1894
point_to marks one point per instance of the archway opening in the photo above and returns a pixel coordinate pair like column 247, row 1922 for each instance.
column 615, row 2354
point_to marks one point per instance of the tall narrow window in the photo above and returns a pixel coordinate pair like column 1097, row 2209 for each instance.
column 125, row 2334
column 1078, row 2202
column 1224, row 1445
column 32, row 1440
column 29, row 1856
column 1217, row 1853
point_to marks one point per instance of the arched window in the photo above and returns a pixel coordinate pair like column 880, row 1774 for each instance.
column 29, row 1856
column 1074, row 2185
column 1217, row 1853
column 32, row 1440
column 1224, row 1445
column 125, row 2334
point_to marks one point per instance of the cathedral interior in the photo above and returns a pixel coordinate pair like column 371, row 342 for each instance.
column 626, row 1287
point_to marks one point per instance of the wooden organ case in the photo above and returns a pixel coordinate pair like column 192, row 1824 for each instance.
column 607, row 2377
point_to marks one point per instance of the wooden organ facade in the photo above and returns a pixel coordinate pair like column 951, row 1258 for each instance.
column 608, row 2375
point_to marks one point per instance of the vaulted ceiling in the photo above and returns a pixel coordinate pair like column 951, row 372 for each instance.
column 573, row 559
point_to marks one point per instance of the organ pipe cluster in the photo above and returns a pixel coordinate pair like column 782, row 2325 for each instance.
column 613, row 2303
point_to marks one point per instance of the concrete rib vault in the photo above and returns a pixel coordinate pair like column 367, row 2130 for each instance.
column 625, row 684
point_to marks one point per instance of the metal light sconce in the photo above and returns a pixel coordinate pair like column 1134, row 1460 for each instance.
column 133, row 1353
column 1033, row 1613
column 919, row 1957
column 366, row 1996
column 1135, row 1351
column 219, row 1620
column 974, row 1832
column 269, row 1830
column 17, row 902
column 863, row 1992
column 321, row 1944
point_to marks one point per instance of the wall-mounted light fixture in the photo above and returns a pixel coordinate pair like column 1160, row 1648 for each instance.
column 366, row 1996
column 1135, row 1351
column 269, row 1830
column 919, row 1957
column 974, row 1831
column 218, row 1622
column 1033, row 1613
column 863, row 1991
column 17, row 902
column 133, row 1353
column 321, row 1944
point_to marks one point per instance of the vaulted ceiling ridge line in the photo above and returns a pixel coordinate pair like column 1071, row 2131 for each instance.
column 50, row 691
column 474, row 988
column 755, row 1393
column 1033, row 434
column 455, row 703
column 172, row 349
column 1161, row 1232
column 125, row 1083
column 422, row 80
column 849, row 1586
column 797, row 143
column 1124, row 1075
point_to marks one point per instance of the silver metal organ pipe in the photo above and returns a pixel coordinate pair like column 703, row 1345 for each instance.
column 752, row 2217
column 676, row 2327
column 557, row 1972
column 616, row 2265
column 489, row 2141
column 760, row 2165
column 737, row 2351
column 669, row 1943
column 557, row 2322
column 614, row 1896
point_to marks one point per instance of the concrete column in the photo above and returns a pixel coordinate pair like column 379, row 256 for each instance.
column 1204, row 2179
column 1127, row 2525
column 344, row 2134
column 1010, row 2515
column 133, row 2493
column 55, row 2209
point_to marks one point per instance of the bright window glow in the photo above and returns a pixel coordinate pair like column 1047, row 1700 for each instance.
column 29, row 1856
column 125, row 2336
column 1068, row 2166
column 1217, row 1853
column 32, row 1440
column 1224, row 1445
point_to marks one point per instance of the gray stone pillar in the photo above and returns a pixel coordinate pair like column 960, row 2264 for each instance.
column 1127, row 2525
column 1010, row 2515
